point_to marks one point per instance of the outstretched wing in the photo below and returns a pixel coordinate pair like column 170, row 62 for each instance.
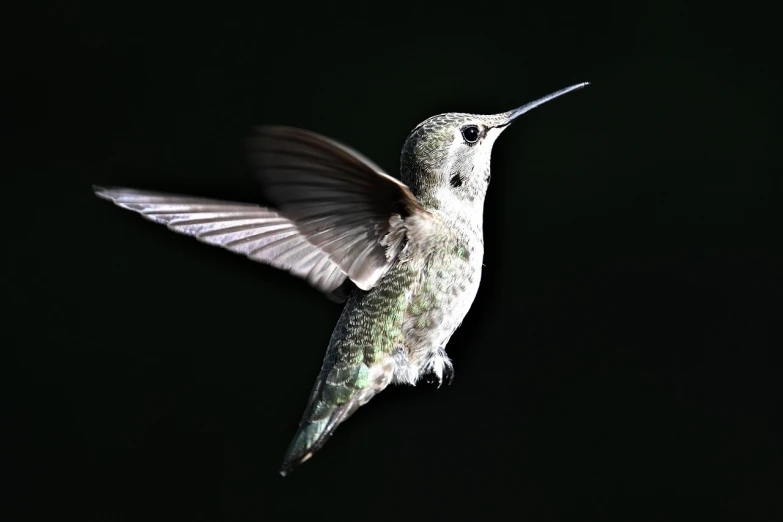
column 260, row 233
column 337, row 216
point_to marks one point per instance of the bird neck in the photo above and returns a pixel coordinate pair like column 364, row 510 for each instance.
column 456, row 208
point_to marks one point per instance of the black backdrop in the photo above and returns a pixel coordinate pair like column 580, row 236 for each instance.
column 621, row 357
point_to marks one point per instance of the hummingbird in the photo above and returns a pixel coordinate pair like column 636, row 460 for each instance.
column 405, row 256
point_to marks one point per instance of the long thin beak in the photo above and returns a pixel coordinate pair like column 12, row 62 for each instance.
column 512, row 115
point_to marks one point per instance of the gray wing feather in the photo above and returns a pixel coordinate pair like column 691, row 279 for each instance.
column 259, row 233
column 337, row 215
column 341, row 201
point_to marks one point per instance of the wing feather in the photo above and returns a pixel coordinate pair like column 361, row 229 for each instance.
column 341, row 201
column 259, row 233
column 337, row 216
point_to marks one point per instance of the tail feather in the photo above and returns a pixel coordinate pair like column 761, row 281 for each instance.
column 312, row 435
column 333, row 400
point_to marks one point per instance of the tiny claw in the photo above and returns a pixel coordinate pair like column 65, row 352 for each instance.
column 442, row 369
column 448, row 371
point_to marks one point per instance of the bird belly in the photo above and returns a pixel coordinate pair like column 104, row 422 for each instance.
column 439, row 301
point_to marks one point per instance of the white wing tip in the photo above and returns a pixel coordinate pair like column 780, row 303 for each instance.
column 101, row 192
column 114, row 193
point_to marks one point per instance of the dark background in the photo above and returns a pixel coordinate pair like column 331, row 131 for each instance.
column 621, row 358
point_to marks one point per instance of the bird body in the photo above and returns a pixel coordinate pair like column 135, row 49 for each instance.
column 397, row 331
column 406, row 257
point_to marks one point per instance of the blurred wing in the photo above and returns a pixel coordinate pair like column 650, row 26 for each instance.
column 344, row 204
column 259, row 233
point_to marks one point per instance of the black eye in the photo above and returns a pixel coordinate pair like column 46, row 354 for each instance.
column 470, row 134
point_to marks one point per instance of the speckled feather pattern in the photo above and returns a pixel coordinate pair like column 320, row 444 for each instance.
column 397, row 331
column 406, row 255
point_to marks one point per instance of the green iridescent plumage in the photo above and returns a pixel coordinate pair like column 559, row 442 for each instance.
column 405, row 256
